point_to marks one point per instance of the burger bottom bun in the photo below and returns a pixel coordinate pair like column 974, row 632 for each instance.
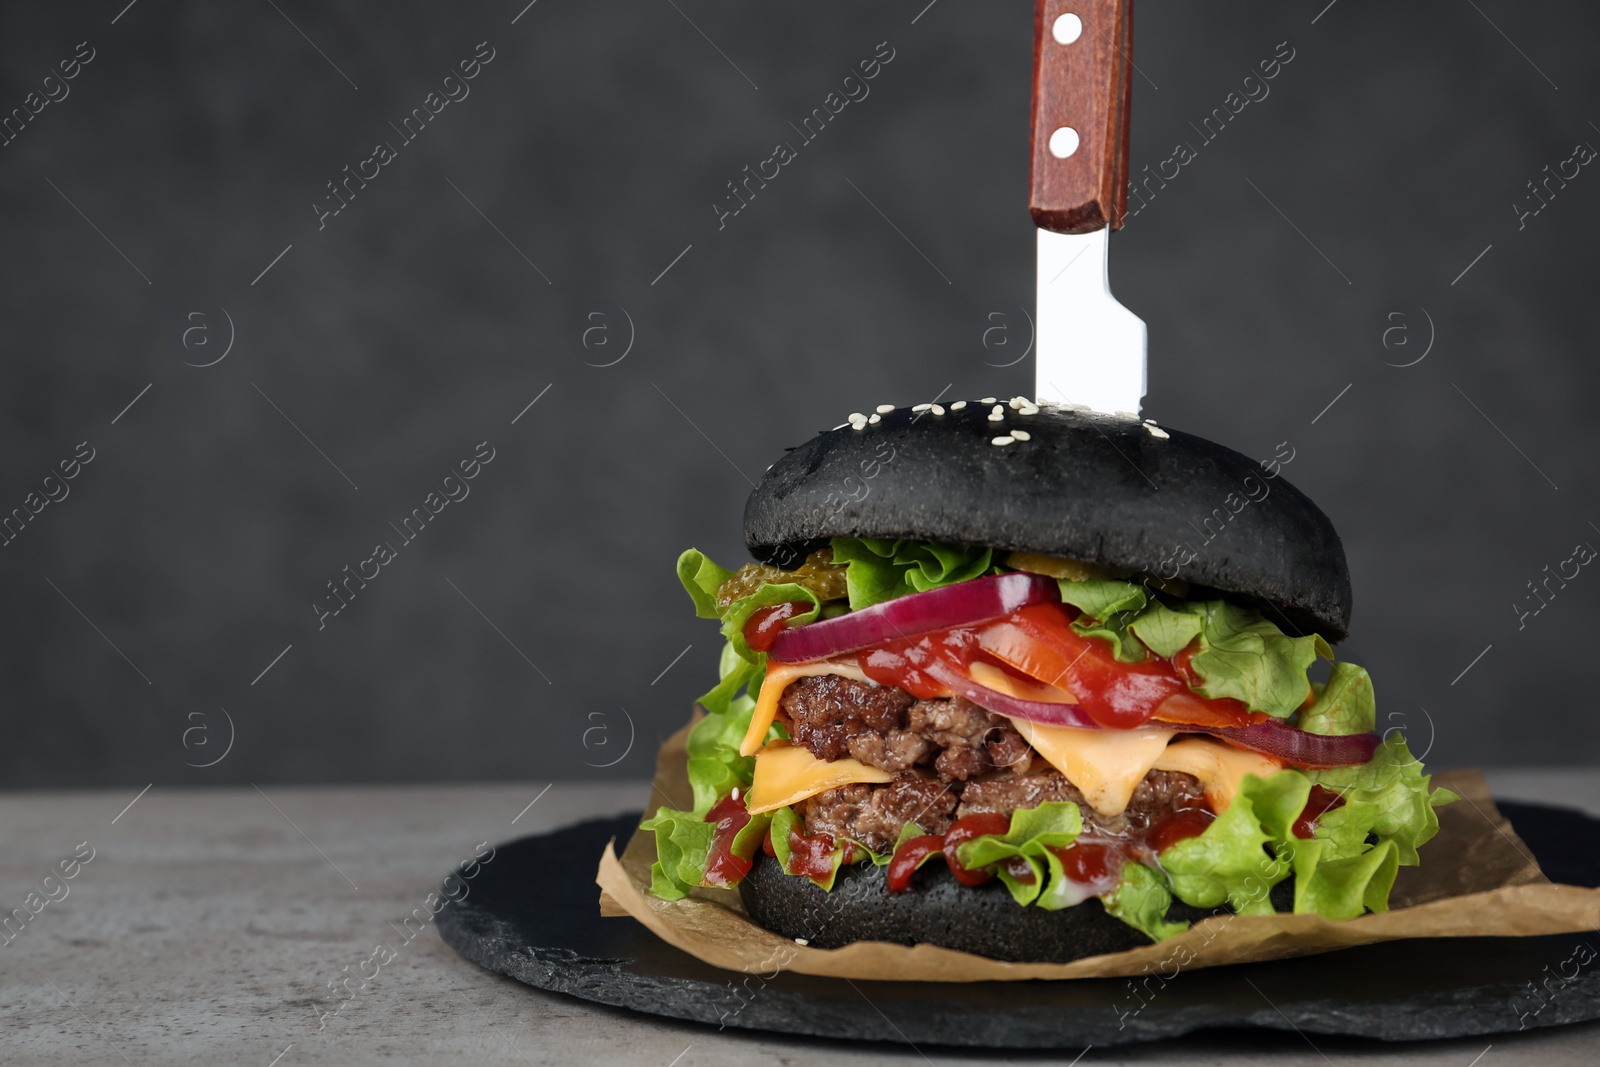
column 938, row 910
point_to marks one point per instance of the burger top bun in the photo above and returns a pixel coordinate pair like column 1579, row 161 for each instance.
column 1106, row 490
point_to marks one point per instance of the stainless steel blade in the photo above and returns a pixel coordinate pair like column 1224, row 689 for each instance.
column 1089, row 348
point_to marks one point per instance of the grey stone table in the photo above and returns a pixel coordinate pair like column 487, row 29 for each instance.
column 206, row 926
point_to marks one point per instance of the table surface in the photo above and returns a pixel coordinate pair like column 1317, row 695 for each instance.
column 208, row 926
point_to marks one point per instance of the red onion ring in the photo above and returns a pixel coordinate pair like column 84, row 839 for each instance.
column 961, row 604
column 1297, row 747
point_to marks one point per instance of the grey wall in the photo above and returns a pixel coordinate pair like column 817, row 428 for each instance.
column 383, row 347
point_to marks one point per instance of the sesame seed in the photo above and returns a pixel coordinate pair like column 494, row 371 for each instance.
column 1150, row 422
column 1156, row 431
column 856, row 416
column 1020, row 435
column 988, row 400
column 884, row 409
column 938, row 409
column 875, row 419
column 1126, row 415
column 958, row 405
column 1002, row 440
column 736, row 792
column 1077, row 407
column 922, row 407
column 802, row 942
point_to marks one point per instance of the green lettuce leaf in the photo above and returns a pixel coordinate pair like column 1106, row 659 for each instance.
column 700, row 578
column 1342, row 705
column 1141, row 900
column 1231, row 861
column 748, row 840
column 738, row 674
column 1339, row 889
column 683, row 848
column 1108, row 607
column 1103, row 598
column 1244, row 656
column 1165, row 631
column 1031, row 833
column 683, row 844
column 1346, row 868
column 784, row 820
column 877, row 569
column 715, row 766
column 1387, row 797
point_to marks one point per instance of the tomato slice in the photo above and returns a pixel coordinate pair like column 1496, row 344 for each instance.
column 1118, row 696
column 1040, row 641
column 1054, row 664
column 1045, row 661
column 1190, row 709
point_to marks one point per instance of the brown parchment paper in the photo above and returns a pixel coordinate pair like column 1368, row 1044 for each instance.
column 1476, row 879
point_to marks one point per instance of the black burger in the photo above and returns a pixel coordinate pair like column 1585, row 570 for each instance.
column 1034, row 683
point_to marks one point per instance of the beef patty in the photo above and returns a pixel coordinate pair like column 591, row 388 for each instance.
column 890, row 729
column 950, row 759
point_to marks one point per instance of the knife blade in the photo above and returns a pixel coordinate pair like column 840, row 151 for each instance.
column 1089, row 348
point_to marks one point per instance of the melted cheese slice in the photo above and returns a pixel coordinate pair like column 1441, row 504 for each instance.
column 1105, row 765
column 787, row 773
column 1220, row 767
column 779, row 675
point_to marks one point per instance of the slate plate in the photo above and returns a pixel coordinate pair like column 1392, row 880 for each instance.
column 533, row 914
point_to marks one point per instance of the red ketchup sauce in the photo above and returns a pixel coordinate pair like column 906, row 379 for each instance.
column 1178, row 826
column 723, row 867
column 764, row 625
column 811, row 855
column 1092, row 862
column 964, row 830
column 908, row 857
column 1319, row 804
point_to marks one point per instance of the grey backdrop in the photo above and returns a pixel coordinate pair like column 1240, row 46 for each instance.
column 887, row 263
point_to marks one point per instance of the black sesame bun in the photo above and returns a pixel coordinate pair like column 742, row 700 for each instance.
column 983, row 920
column 1105, row 490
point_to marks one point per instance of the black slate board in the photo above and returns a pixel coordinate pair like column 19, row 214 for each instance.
column 532, row 913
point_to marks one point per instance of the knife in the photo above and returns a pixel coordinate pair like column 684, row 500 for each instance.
column 1090, row 349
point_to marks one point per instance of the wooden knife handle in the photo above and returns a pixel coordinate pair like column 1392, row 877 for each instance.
column 1083, row 87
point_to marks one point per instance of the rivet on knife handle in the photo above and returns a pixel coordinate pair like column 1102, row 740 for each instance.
column 1081, row 95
